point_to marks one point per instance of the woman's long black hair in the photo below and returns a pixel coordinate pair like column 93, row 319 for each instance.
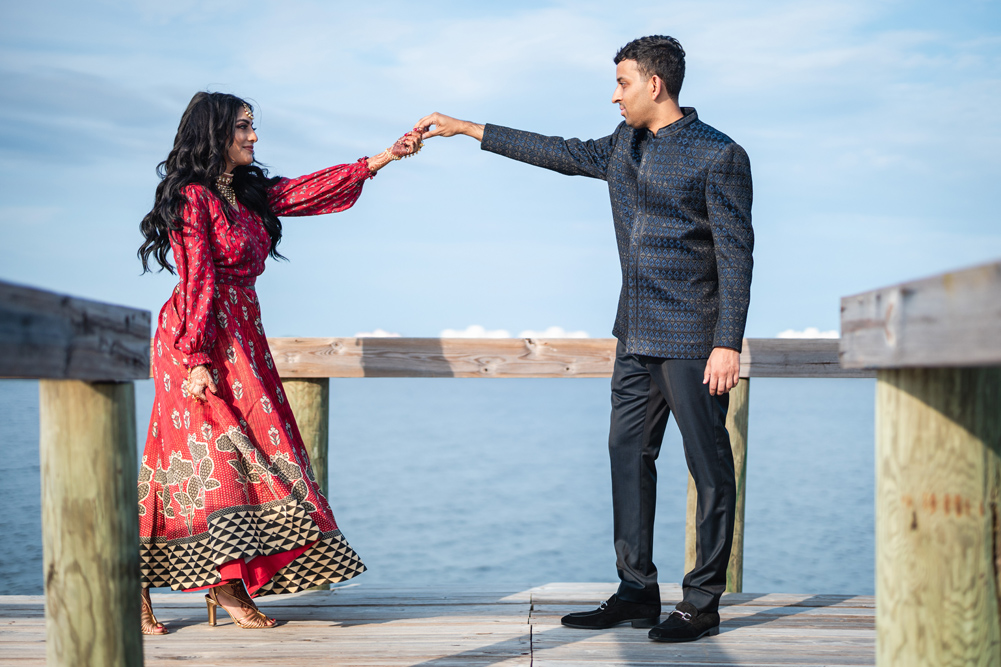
column 204, row 136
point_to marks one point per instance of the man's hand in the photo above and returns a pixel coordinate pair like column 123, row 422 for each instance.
column 722, row 370
column 446, row 126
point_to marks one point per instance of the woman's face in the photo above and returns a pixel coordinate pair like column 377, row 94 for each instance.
column 241, row 152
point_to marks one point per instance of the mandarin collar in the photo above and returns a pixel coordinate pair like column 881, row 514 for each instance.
column 689, row 117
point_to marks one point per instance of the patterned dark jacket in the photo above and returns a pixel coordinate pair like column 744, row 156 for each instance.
column 681, row 202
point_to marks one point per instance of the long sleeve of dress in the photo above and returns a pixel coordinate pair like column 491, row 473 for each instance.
column 326, row 191
column 572, row 157
column 728, row 200
column 196, row 274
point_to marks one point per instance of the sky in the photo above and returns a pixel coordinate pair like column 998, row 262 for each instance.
column 872, row 127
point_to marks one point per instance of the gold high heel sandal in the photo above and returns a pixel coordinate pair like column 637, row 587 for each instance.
column 255, row 618
column 147, row 621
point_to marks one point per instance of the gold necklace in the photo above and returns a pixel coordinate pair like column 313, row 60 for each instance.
column 224, row 184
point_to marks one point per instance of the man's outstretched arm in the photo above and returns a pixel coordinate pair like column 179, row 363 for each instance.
column 440, row 125
column 572, row 157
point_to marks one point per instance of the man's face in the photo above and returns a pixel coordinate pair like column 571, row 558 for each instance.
column 632, row 94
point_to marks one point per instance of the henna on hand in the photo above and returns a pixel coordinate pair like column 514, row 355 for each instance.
column 199, row 380
column 409, row 144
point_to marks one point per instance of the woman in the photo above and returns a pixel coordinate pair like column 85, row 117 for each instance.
column 227, row 497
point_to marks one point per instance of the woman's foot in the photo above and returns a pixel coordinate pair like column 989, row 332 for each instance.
column 233, row 597
column 148, row 622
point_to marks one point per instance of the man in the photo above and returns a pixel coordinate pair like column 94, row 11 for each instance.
column 681, row 203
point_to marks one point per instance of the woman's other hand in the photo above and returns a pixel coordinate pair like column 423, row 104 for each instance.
column 200, row 379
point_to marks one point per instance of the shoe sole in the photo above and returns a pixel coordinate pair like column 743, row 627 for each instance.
column 711, row 632
column 636, row 623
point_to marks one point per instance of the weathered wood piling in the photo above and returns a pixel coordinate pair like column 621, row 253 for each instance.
column 309, row 399
column 736, row 426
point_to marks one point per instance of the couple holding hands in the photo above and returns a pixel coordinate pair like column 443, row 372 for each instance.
column 228, row 502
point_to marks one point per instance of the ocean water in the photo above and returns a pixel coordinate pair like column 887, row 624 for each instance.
column 439, row 481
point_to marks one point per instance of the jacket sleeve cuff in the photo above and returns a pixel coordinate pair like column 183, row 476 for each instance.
column 494, row 138
column 729, row 342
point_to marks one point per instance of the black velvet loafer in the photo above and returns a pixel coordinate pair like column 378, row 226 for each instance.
column 686, row 624
column 615, row 612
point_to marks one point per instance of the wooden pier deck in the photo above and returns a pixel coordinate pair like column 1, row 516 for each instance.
column 373, row 626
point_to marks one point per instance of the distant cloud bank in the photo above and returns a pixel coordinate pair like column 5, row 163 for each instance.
column 553, row 332
column 478, row 331
column 809, row 332
column 378, row 333
column 475, row 331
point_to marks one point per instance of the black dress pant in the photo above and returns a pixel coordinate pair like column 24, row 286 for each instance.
column 645, row 390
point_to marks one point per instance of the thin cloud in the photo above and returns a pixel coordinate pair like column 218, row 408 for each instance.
column 809, row 332
column 553, row 332
column 475, row 331
column 378, row 333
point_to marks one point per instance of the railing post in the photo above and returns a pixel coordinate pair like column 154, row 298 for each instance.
column 90, row 522
column 938, row 527
column 736, row 425
column 309, row 399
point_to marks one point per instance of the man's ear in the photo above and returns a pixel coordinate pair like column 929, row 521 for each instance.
column 655, row 86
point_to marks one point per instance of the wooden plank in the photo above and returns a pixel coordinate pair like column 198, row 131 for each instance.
column 794, row 358
column 443, row 357
column 356, row 625
column 524, row 357
column 809, row 619
column 952, row 319
column 938, row 502
column 735, row 645
column 572, row 593
column 52, row 336
column 794, row 600
column 589, row 594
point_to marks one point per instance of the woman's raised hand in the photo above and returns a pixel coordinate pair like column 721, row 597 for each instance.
column 409, row 144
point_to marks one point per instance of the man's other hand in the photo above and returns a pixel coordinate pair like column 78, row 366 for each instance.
column 440, row 125
column 722, row 370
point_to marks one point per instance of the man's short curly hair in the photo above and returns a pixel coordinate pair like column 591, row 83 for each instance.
column 660, row 55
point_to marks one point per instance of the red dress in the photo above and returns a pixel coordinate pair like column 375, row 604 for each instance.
column 226, row 489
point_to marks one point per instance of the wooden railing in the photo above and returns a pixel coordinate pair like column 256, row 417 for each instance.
column 85, row 354
column 937, row 346
column 306, row 364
